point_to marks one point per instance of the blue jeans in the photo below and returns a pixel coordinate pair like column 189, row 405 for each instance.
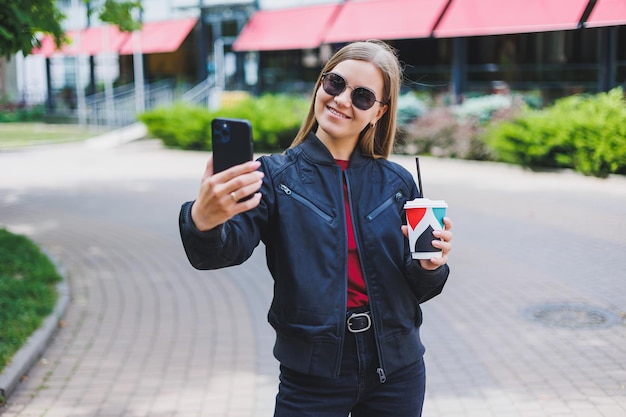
column 356, row 390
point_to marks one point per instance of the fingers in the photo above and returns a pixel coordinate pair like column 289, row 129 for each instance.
column 220, row 196
column 442, row 241
column 236, row 171
column 447, row 223
column 208, row 170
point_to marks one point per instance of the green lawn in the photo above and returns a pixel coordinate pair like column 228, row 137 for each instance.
column 27, row 292
column 14, row 135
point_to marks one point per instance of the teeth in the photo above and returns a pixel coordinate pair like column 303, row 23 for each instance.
column 336, row 113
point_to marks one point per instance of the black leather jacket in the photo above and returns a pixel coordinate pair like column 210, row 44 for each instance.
column 301, row 221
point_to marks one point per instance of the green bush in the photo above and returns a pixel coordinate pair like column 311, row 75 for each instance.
column 275, row 121
column 410, row 107
column 179, row 126
column 27, row 292
column 455, row 131
column 14, row 114
column 584, row 133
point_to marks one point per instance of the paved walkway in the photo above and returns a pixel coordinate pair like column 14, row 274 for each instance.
column 530, row 324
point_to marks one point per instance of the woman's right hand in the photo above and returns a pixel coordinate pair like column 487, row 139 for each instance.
column 220, row 194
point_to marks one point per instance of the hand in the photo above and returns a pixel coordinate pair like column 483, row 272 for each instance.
column 443, row 238
column 220, row 194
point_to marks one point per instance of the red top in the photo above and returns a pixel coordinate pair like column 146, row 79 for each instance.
column 357, row 292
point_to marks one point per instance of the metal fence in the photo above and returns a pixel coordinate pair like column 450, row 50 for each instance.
column 120, row 108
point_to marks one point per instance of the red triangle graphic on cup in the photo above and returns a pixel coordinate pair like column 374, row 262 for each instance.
column 414, row 216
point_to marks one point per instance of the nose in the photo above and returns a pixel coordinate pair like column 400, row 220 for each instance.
column 344, row 99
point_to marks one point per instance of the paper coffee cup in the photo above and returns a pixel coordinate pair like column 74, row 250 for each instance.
column 424, row 216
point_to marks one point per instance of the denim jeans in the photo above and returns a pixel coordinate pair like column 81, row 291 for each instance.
column 357, row 389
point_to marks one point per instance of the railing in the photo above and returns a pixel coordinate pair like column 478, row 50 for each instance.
column 101, row 111
column 121, row 109
column 201, row 93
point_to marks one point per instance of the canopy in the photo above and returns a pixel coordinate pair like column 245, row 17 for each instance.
column 88, row 41
column 497, row 17
column 608, row 13
column 163, row 36
column 283, row 29
column 385, row 19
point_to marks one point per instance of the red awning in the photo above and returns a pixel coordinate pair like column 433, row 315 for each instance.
column 283, row 29
column 158, row 37
column 385, row 19
column 607, row 13
column 497, row 17
column 164, row 36
column 88, row 41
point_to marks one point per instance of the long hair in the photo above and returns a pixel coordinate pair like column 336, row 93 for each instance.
column 377, row 141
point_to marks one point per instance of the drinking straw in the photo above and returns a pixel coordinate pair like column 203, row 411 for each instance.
column 419, row 177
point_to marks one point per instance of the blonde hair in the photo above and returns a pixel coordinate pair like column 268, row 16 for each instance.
column 376, row 141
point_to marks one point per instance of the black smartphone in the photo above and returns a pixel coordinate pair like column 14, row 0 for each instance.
column 232, row 142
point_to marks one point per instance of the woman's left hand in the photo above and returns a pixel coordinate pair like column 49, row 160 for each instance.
column 442, row 241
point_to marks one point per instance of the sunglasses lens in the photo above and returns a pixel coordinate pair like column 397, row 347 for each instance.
column 362, row 98
column 333, row 84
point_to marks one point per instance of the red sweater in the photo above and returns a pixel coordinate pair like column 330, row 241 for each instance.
column 357, row 292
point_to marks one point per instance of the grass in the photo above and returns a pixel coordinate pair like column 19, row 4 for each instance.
column 27, row 291
column 16, row 135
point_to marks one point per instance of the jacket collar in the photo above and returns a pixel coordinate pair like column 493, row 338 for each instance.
column 317, row 152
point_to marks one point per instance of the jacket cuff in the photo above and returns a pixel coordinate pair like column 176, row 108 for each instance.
column 186, row 222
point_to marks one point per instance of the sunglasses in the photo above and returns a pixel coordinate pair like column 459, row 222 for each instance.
column 362, row 98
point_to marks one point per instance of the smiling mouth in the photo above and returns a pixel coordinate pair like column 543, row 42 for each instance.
column 337, row 113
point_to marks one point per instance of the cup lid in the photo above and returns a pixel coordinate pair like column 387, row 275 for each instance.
column 425, row 202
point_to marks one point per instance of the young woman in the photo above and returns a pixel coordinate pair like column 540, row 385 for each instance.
column 330, row 213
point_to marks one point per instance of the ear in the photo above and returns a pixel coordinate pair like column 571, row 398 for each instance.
column 381, row 111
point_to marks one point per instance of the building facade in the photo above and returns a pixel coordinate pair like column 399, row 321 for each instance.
column 463, row 47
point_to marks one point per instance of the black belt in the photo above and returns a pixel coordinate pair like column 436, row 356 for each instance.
column 359, row 322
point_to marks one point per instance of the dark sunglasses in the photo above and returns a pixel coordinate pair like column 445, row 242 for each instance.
column 362, row 98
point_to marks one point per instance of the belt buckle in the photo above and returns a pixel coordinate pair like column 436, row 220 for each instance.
column 356, row 316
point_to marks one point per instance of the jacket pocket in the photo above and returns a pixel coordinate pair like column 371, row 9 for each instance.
column 306, row 202
column 391, row 200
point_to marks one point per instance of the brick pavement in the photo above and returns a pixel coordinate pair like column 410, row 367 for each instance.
column 147, row 335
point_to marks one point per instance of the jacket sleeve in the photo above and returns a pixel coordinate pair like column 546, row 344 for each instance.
column 228, row 244
column 426, row 284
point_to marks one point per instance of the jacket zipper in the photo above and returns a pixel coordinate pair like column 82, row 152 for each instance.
column 396, row 197
column 306, row 202
column 382, row 377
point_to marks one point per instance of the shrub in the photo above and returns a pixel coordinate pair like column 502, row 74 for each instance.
column 455, row 131
column 12, row 113
column 179, row 126
column 585, row 133
column 275, row 121
column 410, row 107
column 481, row 109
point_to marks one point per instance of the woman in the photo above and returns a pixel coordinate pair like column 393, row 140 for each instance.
column 330, row 213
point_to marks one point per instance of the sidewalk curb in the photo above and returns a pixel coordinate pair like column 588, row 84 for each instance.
column 36, row 344
column 118, row 137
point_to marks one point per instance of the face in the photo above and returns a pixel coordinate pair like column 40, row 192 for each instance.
column 339, row 120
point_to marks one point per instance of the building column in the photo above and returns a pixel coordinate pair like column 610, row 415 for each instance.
column 459, row 68
column 606, row 64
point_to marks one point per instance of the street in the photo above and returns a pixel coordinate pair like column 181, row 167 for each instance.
column 532, row 321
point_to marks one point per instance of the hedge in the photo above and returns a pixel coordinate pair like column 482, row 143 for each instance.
column 586, row 133
column 275, row 121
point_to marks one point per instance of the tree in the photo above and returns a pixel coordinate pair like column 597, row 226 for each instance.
column 22, row 21
column 120, row 13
